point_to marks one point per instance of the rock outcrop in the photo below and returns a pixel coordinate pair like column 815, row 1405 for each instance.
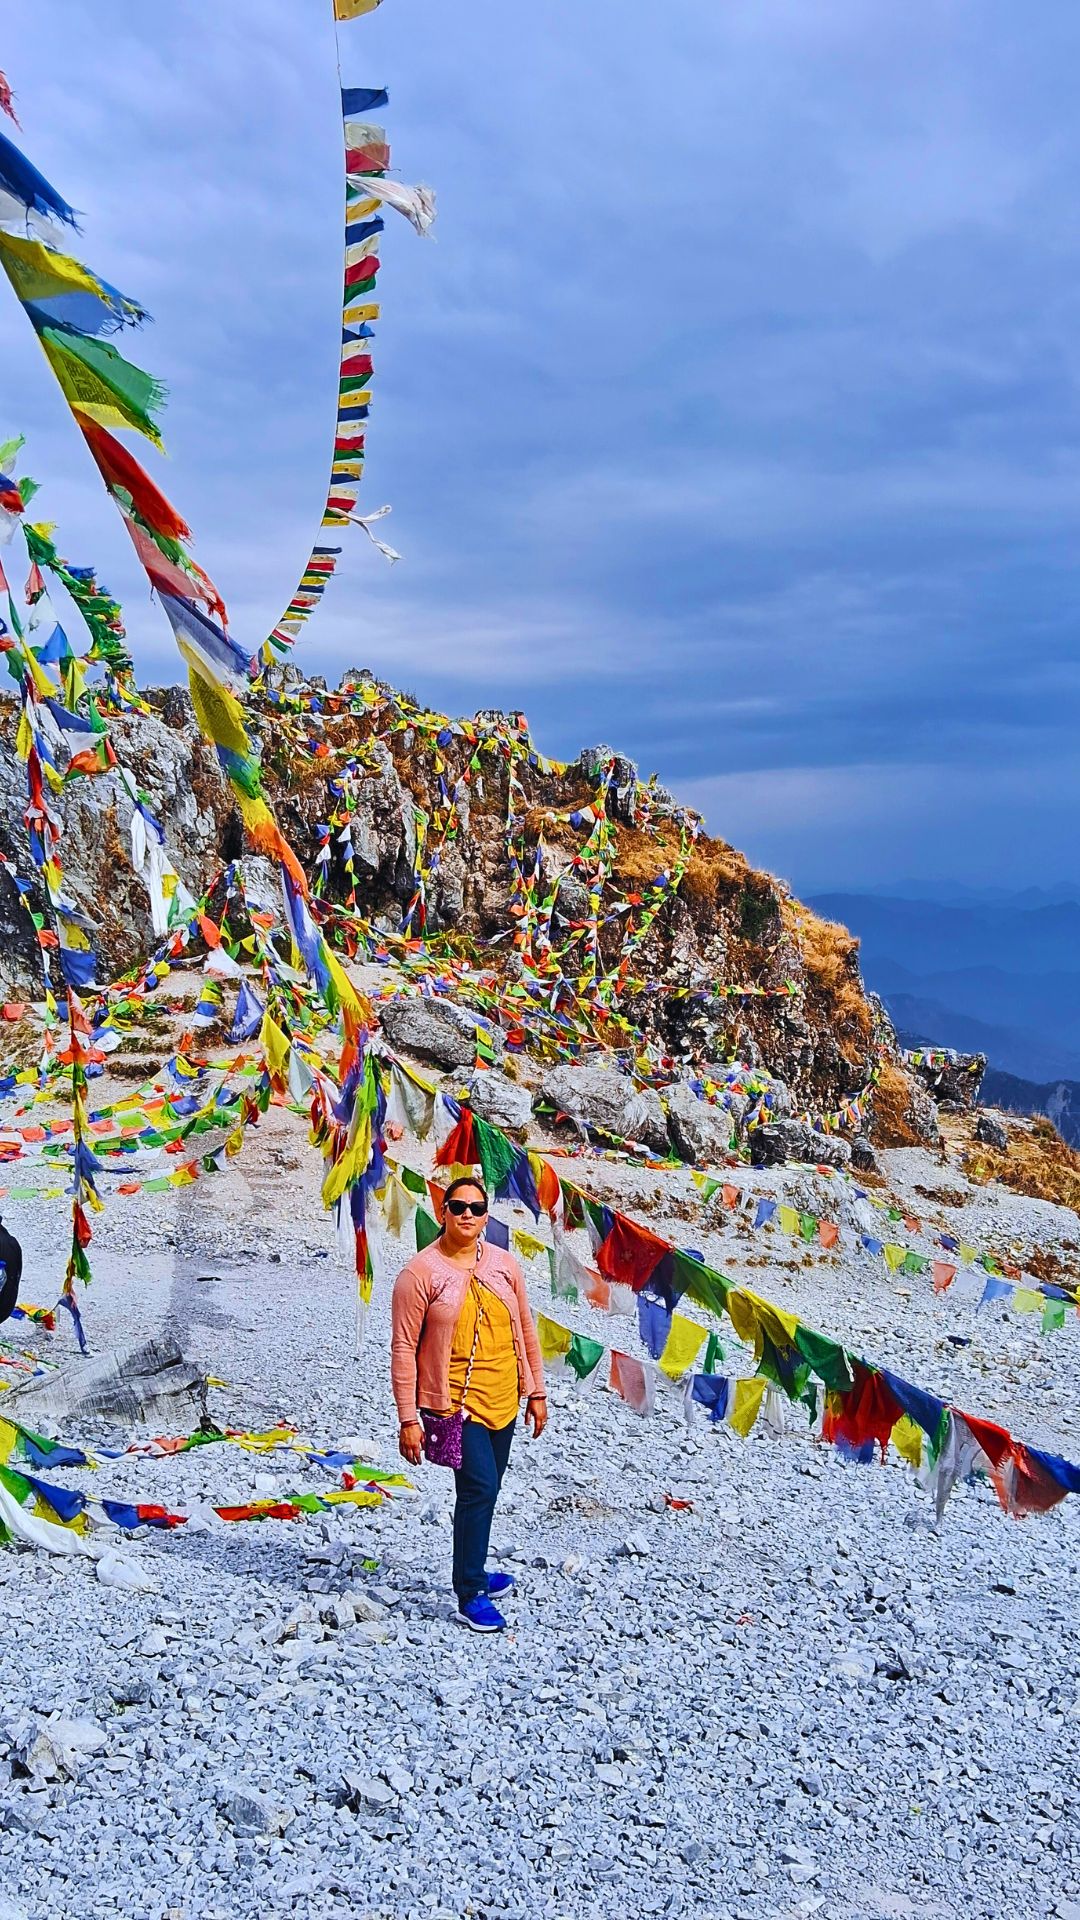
column 501, row 1100
column 786, row 1140
column 438, row 1030
column 992, row 1132
column 729, row 966
column 607, row 1102
column 701, row 1133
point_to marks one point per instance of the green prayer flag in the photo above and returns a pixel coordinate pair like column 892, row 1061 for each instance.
column 414, row 1181
column 427, row 1229
column 93, row 375
column 714, row 1354
column 1053, row 1315
column 700, row 1283
column 497, row 1153
column 827, row 1358
column 584, row 1355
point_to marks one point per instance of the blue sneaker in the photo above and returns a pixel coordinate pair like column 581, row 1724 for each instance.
column 499, row 1585
column 480, row 1615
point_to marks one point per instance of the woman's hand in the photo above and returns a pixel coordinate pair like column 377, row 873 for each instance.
column 411, row 1442
column 536, row 1414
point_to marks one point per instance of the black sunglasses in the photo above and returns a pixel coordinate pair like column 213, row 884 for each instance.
column 477, row 1208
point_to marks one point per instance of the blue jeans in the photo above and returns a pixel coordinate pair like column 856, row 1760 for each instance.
column 483, row 1462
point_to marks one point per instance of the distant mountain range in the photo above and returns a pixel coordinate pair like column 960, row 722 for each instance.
column 992, row 972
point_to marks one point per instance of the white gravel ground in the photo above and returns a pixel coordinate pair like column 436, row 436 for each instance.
column 798, row 1698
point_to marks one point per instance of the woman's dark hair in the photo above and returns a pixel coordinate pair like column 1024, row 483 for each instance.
column 463, row 1180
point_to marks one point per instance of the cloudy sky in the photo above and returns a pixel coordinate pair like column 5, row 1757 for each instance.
column 730, row 415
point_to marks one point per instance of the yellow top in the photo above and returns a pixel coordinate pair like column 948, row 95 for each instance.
column 494, row 1388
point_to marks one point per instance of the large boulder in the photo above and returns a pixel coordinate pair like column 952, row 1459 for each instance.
column 499, row 1099
column 862, row 1155
column 155, row 1384
column 438, row 1030
column 787, row 1140
column 622, row 779
column 700, row 1133
column 992, row 1132
column 953, row 1079
column 603, row 1099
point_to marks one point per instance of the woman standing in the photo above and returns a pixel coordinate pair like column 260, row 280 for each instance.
column 463, row 1337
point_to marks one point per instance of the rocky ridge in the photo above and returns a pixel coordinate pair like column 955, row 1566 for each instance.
column 725, row 923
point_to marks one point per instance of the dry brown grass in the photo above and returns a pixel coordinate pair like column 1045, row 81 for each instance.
column 641, row 856
column 1047, row 1264
column 539, row 825
column 22, row 1043
column 714, row 868
column 831, row 957
column 1039, row 1163
column 943, row 1196
column 890, row 1125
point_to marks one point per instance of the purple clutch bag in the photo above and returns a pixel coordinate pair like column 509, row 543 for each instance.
column 442, row 1431
column 442, row 1438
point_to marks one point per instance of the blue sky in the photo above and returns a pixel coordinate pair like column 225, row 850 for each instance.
column 730, row 415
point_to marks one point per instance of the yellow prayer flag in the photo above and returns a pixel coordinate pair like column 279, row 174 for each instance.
column 1026, row 1300
column 746, row 1404
column 778, row 1323
column 895, row 1257
column 276, row 1046
column 38, row 273
column 350, row 1166
column 682, row 1346
column 907, row 1438
column 397, row 1204
column 742, row 1312
column 529, row 1247
column 788, row 1218
column 554, row 1340
column 352, row 9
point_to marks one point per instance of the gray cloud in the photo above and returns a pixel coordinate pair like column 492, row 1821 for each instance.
column 734, row 406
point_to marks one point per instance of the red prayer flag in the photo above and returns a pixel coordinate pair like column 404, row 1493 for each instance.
column 459, row 1149
column 631, row 1382
column 868, row 1411
column 119, row 468
column 547, row 1186
column 631, row 1253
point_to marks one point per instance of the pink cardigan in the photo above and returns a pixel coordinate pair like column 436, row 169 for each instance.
column 424, row 1310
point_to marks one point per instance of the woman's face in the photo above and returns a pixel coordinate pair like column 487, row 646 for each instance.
column 464, row 1229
